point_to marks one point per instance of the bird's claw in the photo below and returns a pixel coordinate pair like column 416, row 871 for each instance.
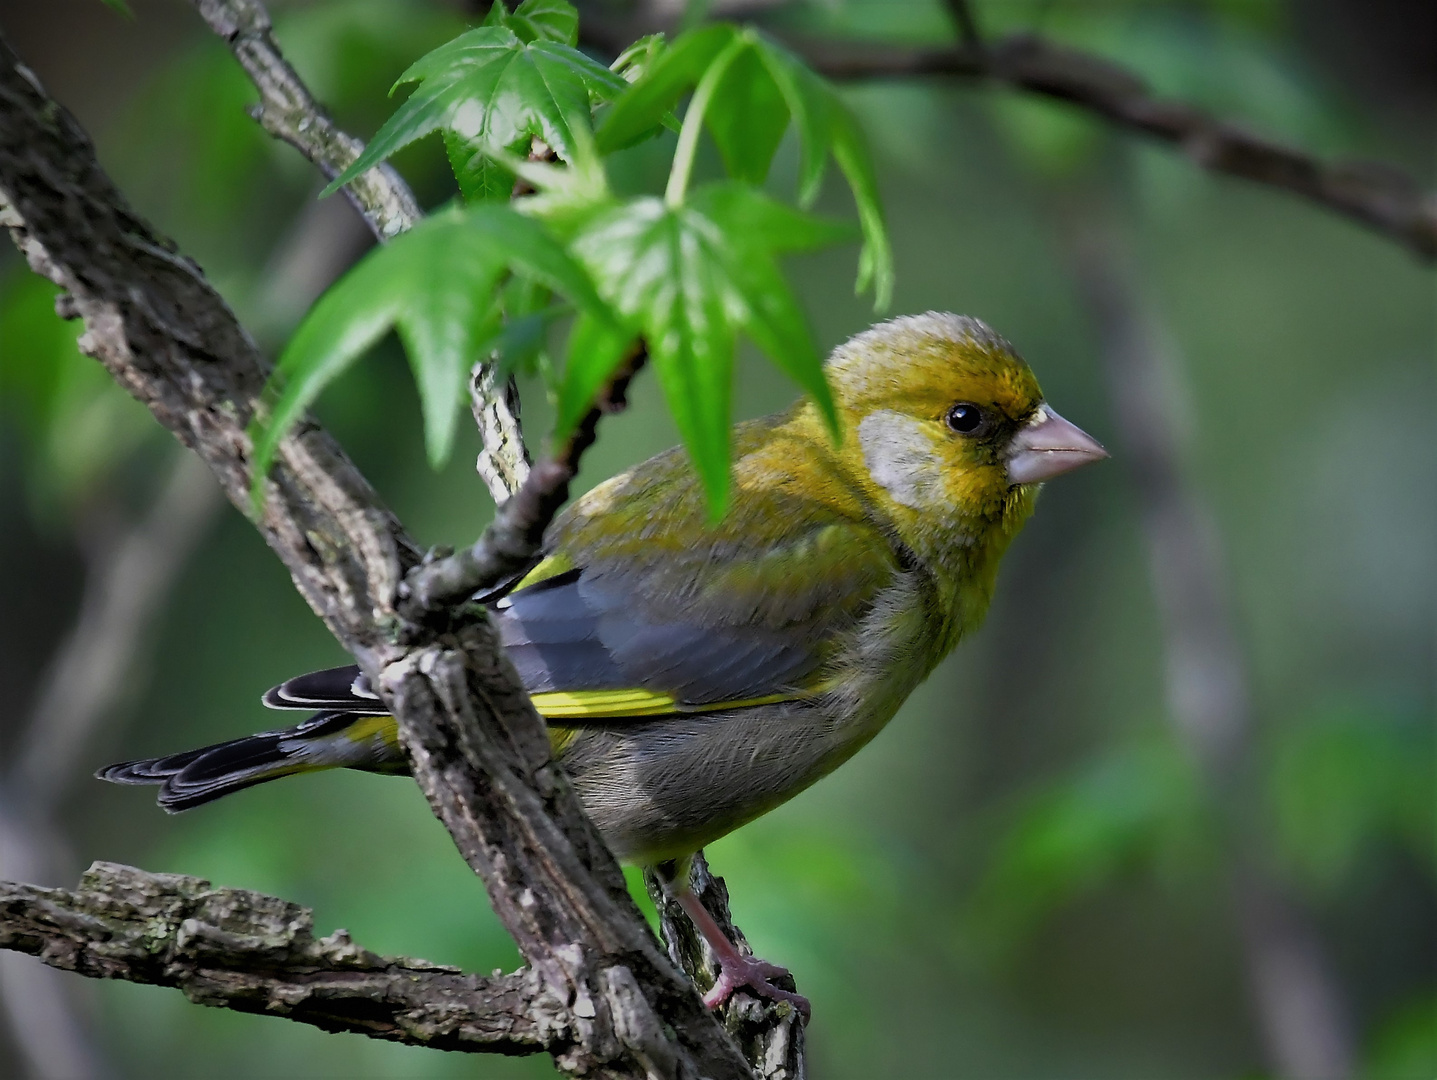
column 751, row 973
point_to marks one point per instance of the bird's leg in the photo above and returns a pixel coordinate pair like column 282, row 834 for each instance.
column 736, row 971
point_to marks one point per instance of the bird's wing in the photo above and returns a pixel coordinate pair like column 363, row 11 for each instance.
column 643, row 607
column 592, row 649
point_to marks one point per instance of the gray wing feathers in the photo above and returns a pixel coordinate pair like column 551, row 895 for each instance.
column 570, row 634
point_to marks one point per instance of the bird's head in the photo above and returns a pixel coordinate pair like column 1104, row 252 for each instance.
column 948, row 423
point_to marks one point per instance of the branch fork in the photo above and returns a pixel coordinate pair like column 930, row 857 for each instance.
column 479, row 751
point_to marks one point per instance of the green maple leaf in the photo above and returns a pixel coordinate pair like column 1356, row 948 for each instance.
column 758, row 88
column 514, row 79
column 437, row 286
column 691, row 278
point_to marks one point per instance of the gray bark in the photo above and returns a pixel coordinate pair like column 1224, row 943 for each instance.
column 242, row 950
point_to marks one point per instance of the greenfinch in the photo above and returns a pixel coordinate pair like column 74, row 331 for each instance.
column 695, row 675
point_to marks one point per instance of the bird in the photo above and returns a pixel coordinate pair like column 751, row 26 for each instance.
column 696, row 674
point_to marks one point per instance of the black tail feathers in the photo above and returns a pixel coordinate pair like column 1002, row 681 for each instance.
column 196, row 777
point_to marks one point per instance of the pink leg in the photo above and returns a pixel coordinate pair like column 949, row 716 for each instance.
column 736, row 971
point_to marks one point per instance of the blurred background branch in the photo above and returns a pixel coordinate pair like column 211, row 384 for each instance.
column 1299, row 1005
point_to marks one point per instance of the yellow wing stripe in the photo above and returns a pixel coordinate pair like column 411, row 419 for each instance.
column 549, row 566
column 558, row 707
column 561, row 705
column 597, row 704
column 368, row 727
column 574, row 704
column 578, row 705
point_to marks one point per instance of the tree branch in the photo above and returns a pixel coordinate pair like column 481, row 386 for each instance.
column 478, row 750
column 289, row 112
column 242, row 950
column 771, row 1035
column 1375, row 194
column 509, row 544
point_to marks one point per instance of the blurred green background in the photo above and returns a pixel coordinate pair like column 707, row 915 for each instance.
column 1021, row 877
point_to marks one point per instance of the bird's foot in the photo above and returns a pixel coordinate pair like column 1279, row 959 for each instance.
column 751, row 973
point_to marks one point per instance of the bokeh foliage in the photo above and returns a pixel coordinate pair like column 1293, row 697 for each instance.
column 1020, row 874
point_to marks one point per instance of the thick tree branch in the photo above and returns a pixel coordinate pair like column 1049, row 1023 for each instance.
column 479, row 752
column 1373, row 193
column 242, row 950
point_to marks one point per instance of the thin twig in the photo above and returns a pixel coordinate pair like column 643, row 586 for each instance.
column 509, row 544
column 289, row 112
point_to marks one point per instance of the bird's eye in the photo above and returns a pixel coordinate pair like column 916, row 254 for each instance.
column 966, row 418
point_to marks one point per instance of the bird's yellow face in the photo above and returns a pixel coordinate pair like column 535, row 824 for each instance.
column 949, row 423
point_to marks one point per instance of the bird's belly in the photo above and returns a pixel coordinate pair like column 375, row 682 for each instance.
column 663, row 789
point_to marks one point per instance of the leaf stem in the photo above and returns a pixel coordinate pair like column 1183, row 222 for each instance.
column 694, row 121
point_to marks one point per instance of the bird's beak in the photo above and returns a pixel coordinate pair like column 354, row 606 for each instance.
column 1048, row 446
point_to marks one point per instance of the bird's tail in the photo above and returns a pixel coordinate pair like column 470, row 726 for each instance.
column 327, row 740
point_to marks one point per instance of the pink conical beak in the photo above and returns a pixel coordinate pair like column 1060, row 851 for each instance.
column 1048, row 446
